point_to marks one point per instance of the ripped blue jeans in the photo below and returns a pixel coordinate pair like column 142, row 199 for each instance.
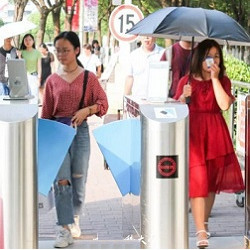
column 69, row 199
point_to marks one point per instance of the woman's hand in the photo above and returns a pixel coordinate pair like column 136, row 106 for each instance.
column 19, row 54
column 215, row 70
column 80, row 116
column 187, row 91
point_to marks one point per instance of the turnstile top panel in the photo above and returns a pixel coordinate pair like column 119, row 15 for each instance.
column 165, row 113
column 17, row 110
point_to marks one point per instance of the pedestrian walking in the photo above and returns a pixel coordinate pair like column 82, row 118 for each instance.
column 90, row 61
column 213, row 164
column 32, row 59
column 138, row 67
column 99, row 52
column 179, row 57
column 72, row 94
column 47, row 67
column 7, row 51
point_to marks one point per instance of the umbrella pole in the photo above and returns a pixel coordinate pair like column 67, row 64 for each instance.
column 188, row 99
column 192, row 48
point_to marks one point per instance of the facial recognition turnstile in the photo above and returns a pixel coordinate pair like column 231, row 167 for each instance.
column 164, row 175
column 247, row 173
column 18, row 174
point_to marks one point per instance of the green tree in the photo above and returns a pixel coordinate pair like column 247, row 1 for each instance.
column 44, row 9
column 1, row 22
column 49, row 29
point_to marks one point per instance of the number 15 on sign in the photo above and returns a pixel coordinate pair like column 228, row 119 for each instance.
column 122, row 19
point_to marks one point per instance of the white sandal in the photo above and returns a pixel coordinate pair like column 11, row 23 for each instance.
column 208, row 233
column 201, row 243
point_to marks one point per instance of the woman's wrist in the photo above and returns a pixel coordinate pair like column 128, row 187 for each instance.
column 90, row 111
column 182, row 98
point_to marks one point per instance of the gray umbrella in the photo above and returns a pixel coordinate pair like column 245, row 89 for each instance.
column 185, row 23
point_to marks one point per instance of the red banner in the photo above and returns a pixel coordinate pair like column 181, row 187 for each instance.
column 75, row 20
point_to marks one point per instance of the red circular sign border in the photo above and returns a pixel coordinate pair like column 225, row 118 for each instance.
column 114, row 13
column 164, row 173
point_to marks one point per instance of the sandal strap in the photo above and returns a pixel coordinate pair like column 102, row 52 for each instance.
column 201, row 231
column 205, row 243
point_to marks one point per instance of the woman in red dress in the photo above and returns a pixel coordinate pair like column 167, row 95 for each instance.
column 213, row 165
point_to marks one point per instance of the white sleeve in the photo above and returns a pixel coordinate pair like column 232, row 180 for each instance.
column 129, row 66
column 97, row 61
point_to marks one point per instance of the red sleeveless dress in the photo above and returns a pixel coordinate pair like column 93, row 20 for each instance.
column 213, row 164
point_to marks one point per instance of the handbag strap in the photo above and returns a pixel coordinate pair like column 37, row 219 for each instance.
column 85, row 80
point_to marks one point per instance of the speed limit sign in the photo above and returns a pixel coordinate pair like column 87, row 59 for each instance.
column 123, row 18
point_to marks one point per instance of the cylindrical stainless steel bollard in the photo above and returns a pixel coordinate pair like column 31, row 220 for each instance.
column 18, row 175
column 164, row 176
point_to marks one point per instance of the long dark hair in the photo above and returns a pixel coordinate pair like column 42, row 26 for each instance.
column 23, row 46
column 200, row 53
column 73, row 38
column 43, row 45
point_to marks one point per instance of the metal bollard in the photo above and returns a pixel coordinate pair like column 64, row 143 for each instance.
column 18, row 175
column 247, row 174
column 164, row 176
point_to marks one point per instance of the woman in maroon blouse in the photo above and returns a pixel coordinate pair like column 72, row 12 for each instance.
column 62, row 96
column 213, row 165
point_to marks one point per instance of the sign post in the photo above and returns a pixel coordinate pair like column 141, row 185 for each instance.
column 123, row 18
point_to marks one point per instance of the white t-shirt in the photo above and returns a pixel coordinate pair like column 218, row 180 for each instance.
column 90, row 62
column 139, row 67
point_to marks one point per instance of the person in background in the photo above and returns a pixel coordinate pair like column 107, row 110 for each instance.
column 179, row 55
column 62, row 102
column 47, row 68
column 137, row 72
column 7, row 51
column 32, row 59
column 90, row 61
column 99, row 52
column 213, row 164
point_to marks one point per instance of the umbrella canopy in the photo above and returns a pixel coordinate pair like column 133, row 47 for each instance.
column 15, row 28
column 185, row 23
column 120, row 144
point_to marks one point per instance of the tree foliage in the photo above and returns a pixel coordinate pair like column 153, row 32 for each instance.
column 237, row 9
column 44, row 8
column 1, row 22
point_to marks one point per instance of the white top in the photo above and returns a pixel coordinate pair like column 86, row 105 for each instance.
column 90, row 62
column 139, row 68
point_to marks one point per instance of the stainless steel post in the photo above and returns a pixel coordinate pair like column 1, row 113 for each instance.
column 164, row 176
column 247, row 174
column 18, row 174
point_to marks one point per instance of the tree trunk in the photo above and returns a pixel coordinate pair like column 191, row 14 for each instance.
column 18, row 15
column 19, row 9
column 69, row 14
column 239, row 12
column 42, row 24
column 56, row 21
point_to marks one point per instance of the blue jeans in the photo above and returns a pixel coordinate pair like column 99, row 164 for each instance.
column 69, row 199
column 4, row 90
